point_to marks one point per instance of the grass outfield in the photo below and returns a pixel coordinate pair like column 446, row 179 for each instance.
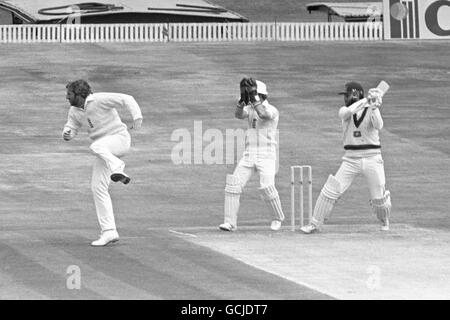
column 47, row 216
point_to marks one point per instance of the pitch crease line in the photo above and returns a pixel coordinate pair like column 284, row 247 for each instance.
column 183, row 233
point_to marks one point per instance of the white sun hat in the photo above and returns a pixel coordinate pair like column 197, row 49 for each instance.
column 261, row 87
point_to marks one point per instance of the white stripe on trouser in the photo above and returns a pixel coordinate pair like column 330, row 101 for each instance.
column 232, row 195
column 271, row 197
column 322, row 209
column 107, row 150
column 382, row 207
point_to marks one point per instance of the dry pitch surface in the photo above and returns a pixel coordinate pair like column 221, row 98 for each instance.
column 168, row 215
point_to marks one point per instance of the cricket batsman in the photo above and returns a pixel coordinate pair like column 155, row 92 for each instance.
column 111, row 141
column 361, row 122
column 259, row 155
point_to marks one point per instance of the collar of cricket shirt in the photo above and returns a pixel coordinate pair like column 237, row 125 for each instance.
column 88, row 99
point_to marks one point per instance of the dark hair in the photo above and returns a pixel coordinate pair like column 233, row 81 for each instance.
column 79, row 87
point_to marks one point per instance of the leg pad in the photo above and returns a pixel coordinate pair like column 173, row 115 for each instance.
column 382, row 207
column 332, row 188
column 233, row 184
column 270, row 195
column 324, row 206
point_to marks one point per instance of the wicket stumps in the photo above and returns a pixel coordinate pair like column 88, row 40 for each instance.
column 301, row 170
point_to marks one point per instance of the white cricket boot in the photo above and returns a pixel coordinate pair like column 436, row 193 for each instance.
column 227, row 227
column 309, row 228
column 385, row 225
column 108, row 236
column 275, row 225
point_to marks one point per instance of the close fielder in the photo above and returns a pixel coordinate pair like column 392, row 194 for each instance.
column 111, row 141
column 361, row 122
column 259, row 155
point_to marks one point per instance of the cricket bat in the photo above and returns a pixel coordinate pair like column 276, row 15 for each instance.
column 383, row 86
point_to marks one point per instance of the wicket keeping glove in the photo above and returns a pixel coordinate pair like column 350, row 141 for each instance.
column 252, row 90
column 244, row 93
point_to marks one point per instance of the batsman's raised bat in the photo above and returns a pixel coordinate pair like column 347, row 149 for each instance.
column 383, row 86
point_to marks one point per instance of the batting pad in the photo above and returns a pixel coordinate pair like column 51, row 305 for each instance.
column 270, row 195
column 382, row 207
column 332, row 188
column 322, row 209
column 233, row 192
column 233, row 184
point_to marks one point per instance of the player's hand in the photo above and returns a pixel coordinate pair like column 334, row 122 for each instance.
column 375, row 98
column 252, row 90
column 243, row 90
column 67, row 135
column 241, row 104
column 137, row 124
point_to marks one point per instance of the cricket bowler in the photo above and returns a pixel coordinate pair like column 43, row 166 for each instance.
column 361, row 123
column 111, row 141
column 259, row 155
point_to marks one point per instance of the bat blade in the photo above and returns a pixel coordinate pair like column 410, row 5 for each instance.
column 383, row 86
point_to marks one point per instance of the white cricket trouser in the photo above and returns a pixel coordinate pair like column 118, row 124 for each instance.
column 372, row 168
column 108, row 150
column 265, row 167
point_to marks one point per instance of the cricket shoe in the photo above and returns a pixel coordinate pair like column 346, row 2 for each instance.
column 227, row 227
column 275, row 225
column 120, row 176
column 108, row 236
column 310, row 228
column 385, row 225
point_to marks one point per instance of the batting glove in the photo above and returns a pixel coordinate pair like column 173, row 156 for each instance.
column 374, row 98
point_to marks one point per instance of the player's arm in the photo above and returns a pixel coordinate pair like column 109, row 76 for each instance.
column 375, row 100
column 71, row 127
column 241, row 111
column 133, row 107
column 112, row 100
column 347, row 112
column 377, row 120
column 263, row 111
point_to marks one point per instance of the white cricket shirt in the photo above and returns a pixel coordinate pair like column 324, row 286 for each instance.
column 100, row 116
